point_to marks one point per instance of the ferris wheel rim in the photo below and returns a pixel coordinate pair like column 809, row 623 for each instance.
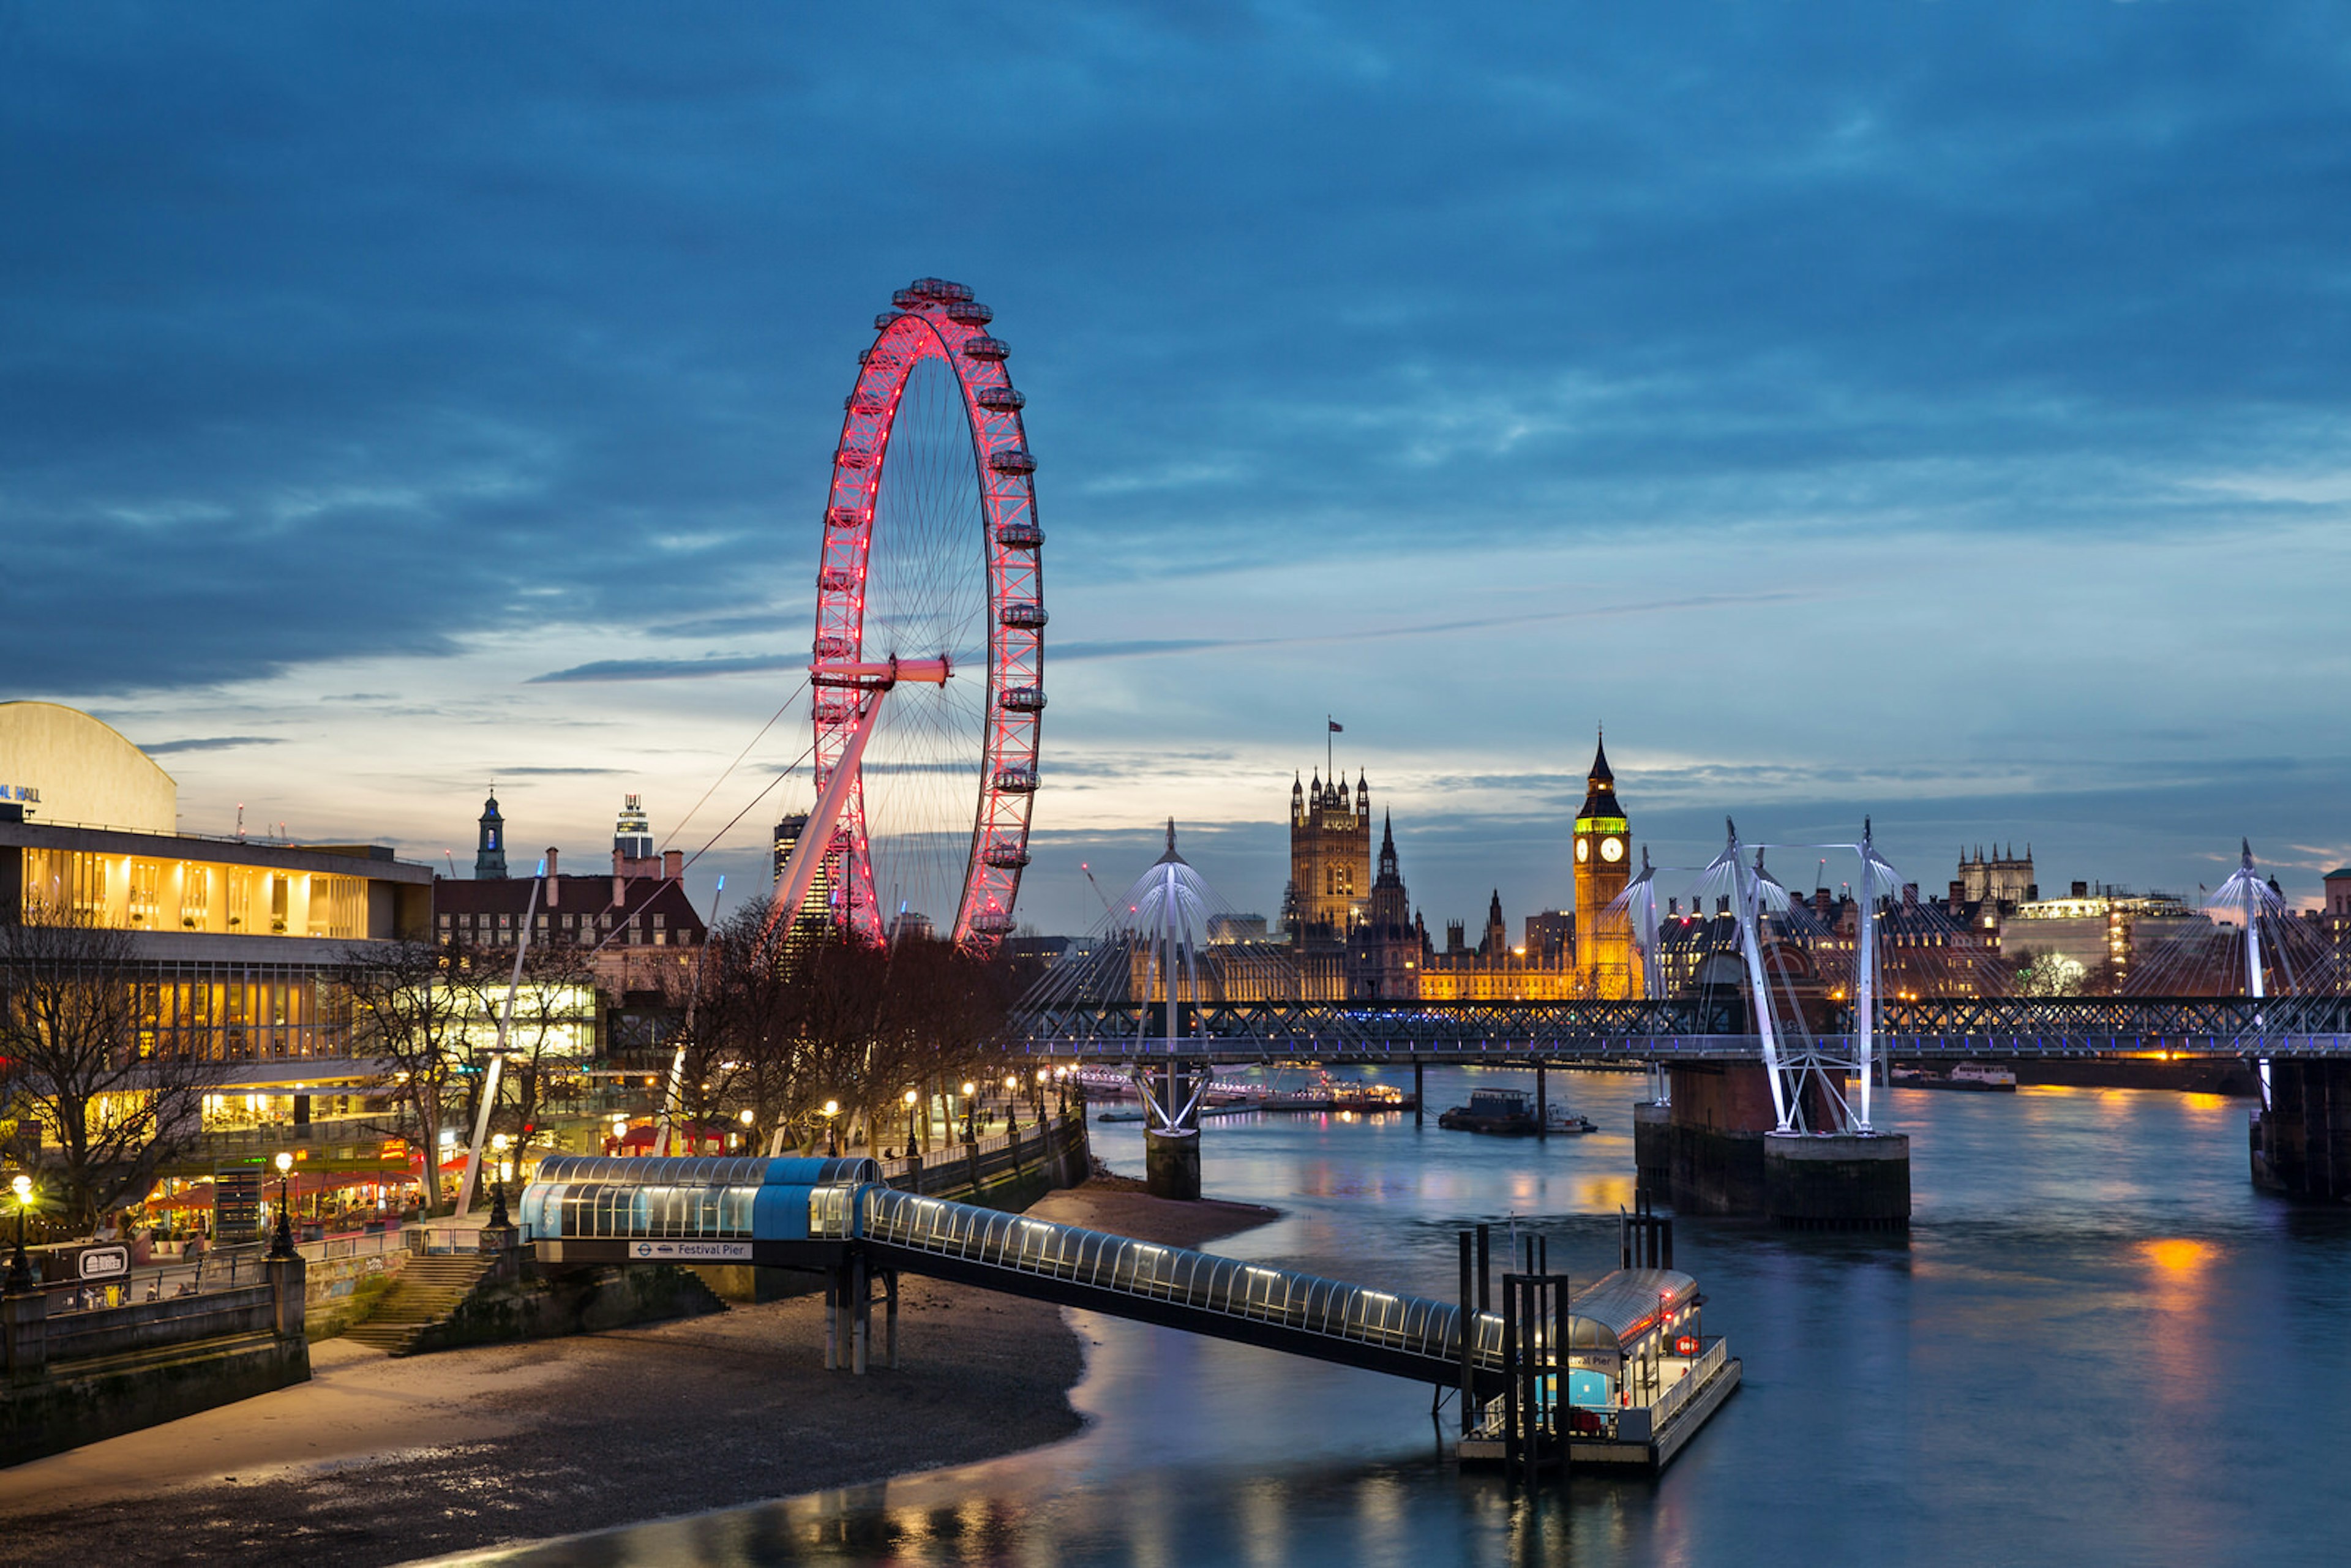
column 935, row 322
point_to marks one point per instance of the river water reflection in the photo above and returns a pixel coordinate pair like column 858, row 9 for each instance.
column 2097, row 1344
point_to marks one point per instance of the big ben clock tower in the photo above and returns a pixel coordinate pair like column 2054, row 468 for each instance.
column 1603, row 865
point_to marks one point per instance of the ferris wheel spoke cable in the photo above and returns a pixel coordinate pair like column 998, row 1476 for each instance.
column 725, row 772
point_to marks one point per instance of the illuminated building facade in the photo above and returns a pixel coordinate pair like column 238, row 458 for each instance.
column 2102, row 925
column 1330, row 860
column 490, row 843
column 1387, row 948
column 1604, row 865
column 818, row 910
column 239, row 950
column 637, row 924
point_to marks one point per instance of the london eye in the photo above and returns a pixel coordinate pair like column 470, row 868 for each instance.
column 927, row 667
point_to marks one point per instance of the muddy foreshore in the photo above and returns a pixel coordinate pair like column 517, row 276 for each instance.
column 377, row 1460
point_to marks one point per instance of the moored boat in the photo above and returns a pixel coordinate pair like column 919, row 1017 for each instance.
column 1511, row 1114
column 1982, row 1077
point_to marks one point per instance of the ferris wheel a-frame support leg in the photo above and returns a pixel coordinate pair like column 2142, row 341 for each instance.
column 816, row 839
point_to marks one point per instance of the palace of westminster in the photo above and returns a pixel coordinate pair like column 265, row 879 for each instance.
column 1352, row 933
column 1348, row 931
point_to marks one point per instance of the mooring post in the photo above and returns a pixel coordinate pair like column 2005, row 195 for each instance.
column 1419, row 1094
column 1543, row 1105
column 890, row 1319
column 1514, row 1409
column 861, row 1298
column 1484, row 1269
column 1468, row 1334
column 1530, row 1289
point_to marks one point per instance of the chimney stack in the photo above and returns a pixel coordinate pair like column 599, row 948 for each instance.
column 673, row 865
column 554, row 882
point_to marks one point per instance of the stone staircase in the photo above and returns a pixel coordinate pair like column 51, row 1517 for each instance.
column 429, row 1290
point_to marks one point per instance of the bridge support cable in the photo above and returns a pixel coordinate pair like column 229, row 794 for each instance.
column 1745, row 892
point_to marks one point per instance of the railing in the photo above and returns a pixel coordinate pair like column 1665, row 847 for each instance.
column 1251, row 1292
column 228, row 1268
column 1669, row 1402
column 957, row 1165
column 2000, row 1027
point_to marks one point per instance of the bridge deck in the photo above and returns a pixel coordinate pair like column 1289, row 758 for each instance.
column 1600, row 1032
column 1251, row 1304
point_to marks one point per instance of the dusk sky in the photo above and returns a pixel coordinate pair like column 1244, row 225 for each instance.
column 1937, row 412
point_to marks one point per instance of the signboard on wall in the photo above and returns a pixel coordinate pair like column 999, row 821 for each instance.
column 690, row 1251
column 236, row 1205
column 102, row 1263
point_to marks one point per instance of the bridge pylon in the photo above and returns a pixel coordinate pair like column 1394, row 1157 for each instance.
column 1172, row 1091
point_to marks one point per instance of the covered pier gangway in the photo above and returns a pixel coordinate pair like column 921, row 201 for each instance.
column 1619, row 1334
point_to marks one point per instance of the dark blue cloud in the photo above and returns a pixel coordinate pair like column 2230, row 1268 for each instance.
column 411, row 325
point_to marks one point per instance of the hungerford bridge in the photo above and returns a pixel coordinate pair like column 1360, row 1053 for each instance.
column 1760, row 1102
column 1713, row 1137
column 1586, row 1033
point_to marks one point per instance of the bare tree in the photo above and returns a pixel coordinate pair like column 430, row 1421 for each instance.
column 120, row 1104
column 411, row 1004
column 780, row 1030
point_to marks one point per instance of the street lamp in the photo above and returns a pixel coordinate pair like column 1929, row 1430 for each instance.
column 498, row 1220
column 281, row 1245
column 969, row 1105
column 1011, row 1103
column 911, row 1136
column 832, row 1142
column 20, row 1268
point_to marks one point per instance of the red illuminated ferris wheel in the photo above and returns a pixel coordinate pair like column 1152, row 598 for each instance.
column 927, row 670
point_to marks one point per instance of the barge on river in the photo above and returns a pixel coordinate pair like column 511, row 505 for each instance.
column 1639, row 1377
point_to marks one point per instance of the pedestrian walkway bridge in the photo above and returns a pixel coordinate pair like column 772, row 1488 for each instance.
column 1620, row 1337
column 1685, row 1029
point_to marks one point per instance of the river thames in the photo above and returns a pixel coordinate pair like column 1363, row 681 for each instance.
column 2096, row 1345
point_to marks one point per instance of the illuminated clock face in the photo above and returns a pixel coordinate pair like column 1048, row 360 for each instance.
column 1583, row 850
column 1612, row 850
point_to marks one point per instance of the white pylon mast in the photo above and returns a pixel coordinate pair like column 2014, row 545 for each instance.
column 498, row 1051
column 1864, row 973
column 1747, row 888
column 2253, row 976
